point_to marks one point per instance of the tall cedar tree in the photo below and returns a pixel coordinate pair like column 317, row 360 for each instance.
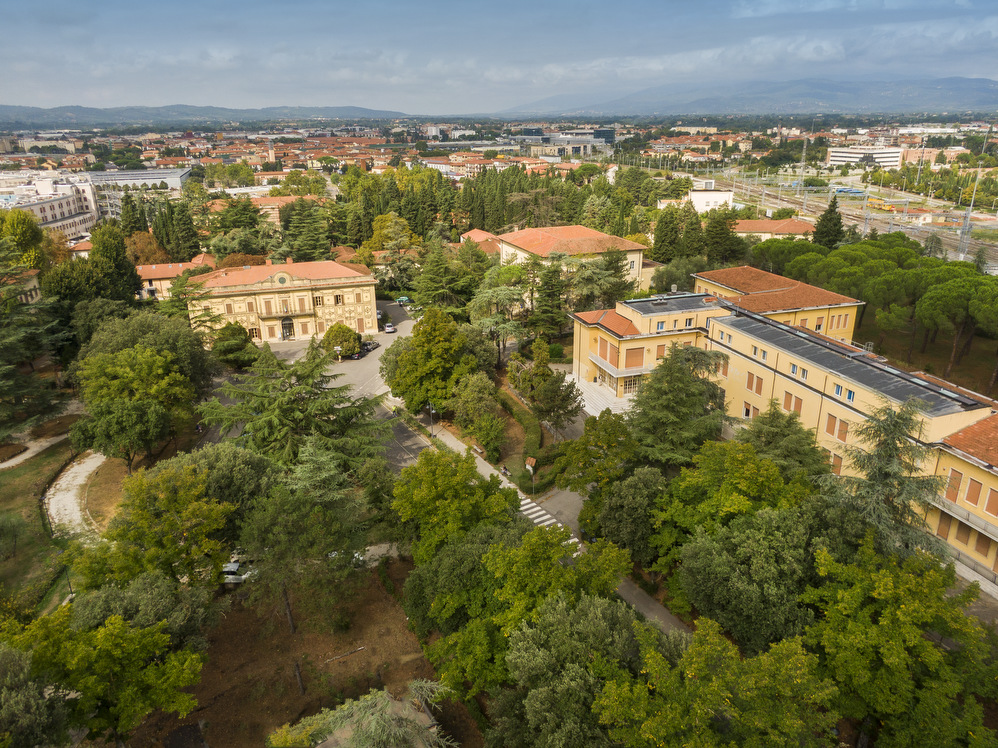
column 828, row 231
column 548, row 317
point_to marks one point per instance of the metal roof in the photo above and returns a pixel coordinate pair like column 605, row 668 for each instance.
column 681, row 302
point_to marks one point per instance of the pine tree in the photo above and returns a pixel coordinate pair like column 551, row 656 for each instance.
column 162, row 227
column 185, row 236
column 828, row 231
column 129, row 219
column 667, row 235
column 548, row 318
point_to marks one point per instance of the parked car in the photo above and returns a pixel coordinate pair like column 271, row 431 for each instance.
column 389, row 327
column 380, row 314
column 402, row 300
column 369, row 345
column 359, row 354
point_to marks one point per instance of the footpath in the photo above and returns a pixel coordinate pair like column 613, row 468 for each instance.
column 641, row 601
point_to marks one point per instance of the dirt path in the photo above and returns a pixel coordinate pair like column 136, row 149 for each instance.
column 63, row 500
column 34, row 447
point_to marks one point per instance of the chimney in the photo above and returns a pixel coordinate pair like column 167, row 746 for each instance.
column 288, row 261
column 270, row 261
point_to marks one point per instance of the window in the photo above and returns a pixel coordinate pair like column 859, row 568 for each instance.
column 764, row 355
column 819, row 323
column 631, row 385
column 803, row 322
column 836, row 464
column 755, row 350
column 338, row 299
column 830, row 425
column 788, row 401
column 285, row 306
column 750, row 381
column 843, row 431
column 837, row 428
column 271, row 331
column 803, row 374
column 304, row 328
column 268, row 305
column 755, row 411
column 838, row 390
column 747, row 410
column 798, row 405
column 320, row 326
column 689, row 322
column 301, row 303
column 357, row 298
column 250, row 306
column 973, row 492
column 953, row 486
column 758, row 385
column 724, row 367
column 983, row 544
column 660, row 326
column 228, row 308
column 675, row 324
column 793, row 369
column 634, row 357
column 632, row 264
column 845, row 323
column 254, row 333
column 963, row 532
column 992, row 506
column 943, row 529
column 660, row 352
column 850, row 395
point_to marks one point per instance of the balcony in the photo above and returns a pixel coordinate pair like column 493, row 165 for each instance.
column 609, row 368
column 976, row 521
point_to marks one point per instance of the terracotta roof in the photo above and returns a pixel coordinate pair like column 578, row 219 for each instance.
column 793, row 226
column 570, row 240
column 477, row 235
column 798, row 296
column 318, row 271
column 746, row 279
column 84, row 246
column 162, row 270
column 978, row 440
column 616, row 323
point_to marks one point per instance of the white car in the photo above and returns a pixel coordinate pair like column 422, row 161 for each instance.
column 389, row 327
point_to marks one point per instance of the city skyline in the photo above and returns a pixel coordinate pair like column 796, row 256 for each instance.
column 456, row 59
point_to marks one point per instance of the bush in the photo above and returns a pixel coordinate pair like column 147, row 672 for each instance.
column 556, row 351
column 531, row 426
column 342, row 336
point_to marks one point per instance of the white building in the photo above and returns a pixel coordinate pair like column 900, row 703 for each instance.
column 67, row 204
column 885, row 157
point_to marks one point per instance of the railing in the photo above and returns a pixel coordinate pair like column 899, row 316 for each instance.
column 617, row 372
column 976, row 566
column 978, row 523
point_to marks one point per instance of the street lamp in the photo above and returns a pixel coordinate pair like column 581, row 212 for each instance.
column 430, row 406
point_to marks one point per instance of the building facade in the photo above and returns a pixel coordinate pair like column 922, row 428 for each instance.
column 291, row 301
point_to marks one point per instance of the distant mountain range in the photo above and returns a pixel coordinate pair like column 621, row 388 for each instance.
column 806, row 96
column 179, row 114
column 953, row 95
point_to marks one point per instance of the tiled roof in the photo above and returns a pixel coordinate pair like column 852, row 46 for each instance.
column 477, row 235
column 316, row 271
column 618, row 324
column 769, row 226
column 798, row 296
column 570, row 240
column 978, row 440
column 746, row 279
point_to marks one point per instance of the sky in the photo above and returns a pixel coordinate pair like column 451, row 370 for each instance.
column 449, row 57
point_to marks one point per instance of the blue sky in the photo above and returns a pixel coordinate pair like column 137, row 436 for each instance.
column 450, row 57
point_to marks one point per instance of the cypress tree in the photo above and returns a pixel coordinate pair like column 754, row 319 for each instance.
column 828, row 231
column 185, row 237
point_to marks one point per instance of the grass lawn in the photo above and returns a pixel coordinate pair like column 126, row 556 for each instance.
column 31, row 569
column 973, row 372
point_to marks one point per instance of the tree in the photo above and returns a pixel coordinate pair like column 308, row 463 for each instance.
column 113, row 676
column 188, row 302
column 375, row 720
column 678, row 407
column 880, row 632
column 547, row 318
column 443, row 497
column 890, row 492
column 131, row 220
column 828, row 231
column 12, row 527
column 474, row 397
column 233, row 347
column 21, row 229
column 166, row 524
column 723, row 245
column 26, row 333
column 557, row 401
column 946, row 306
column 108, row 258
column 554, row 675
column 432, row 364
column 28, row 715
column 693, row 243
column 341, row 337
column 668, row 227
column 625, row 517
column 712, row 697
column 165, row 335
column 598, row 458
column 143, row 249
column 490, row 430
column 122, row 427
column 727, row 480
column 435, row 283
column 779, row 436
column 280, row 405
column 186, row 242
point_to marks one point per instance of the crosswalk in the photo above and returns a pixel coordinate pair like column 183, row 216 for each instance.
column 540, row 517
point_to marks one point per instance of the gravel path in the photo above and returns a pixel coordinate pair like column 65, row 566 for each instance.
column 63, row 500
column 34, row 447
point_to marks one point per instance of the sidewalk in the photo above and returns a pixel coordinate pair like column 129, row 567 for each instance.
column 652, row 610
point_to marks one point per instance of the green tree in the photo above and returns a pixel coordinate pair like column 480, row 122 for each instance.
column 186, row 242
column 712, row 697
column 693, row 243
column 557, row 401
column 554, row 675
column 122, row 428
column 678, row 407
column 109, row 259
column 828, row 231
column 946, row 306
column 233, row 347
column 890, row 492
column 375, row 720
column 435, row 283
column 474, row 397
column 26, row 333
column 490, row 430
column 443, row 496
column 668, row 231
column 29, row 715
column 547, row 318
column 625, row 517
column 432, row 364
column 21, row 229
column 130, row 220
column 779, row 436
column 879, row 635
column 117, row 674
column 342, row 337
column 279, row 405
column 723, row 245
column 598, row 458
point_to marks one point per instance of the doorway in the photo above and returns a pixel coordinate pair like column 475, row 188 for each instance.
column 287, row 329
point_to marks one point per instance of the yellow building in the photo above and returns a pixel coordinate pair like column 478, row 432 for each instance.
column 782, row 299
column 832, row 385
column 287, row 301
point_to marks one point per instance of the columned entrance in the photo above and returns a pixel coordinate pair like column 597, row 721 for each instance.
column 287, row 329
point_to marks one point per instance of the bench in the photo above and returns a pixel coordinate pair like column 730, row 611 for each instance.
column 478, row 450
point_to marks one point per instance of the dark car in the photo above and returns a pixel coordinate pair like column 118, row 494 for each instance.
column 369, row 345
column 359, row 354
